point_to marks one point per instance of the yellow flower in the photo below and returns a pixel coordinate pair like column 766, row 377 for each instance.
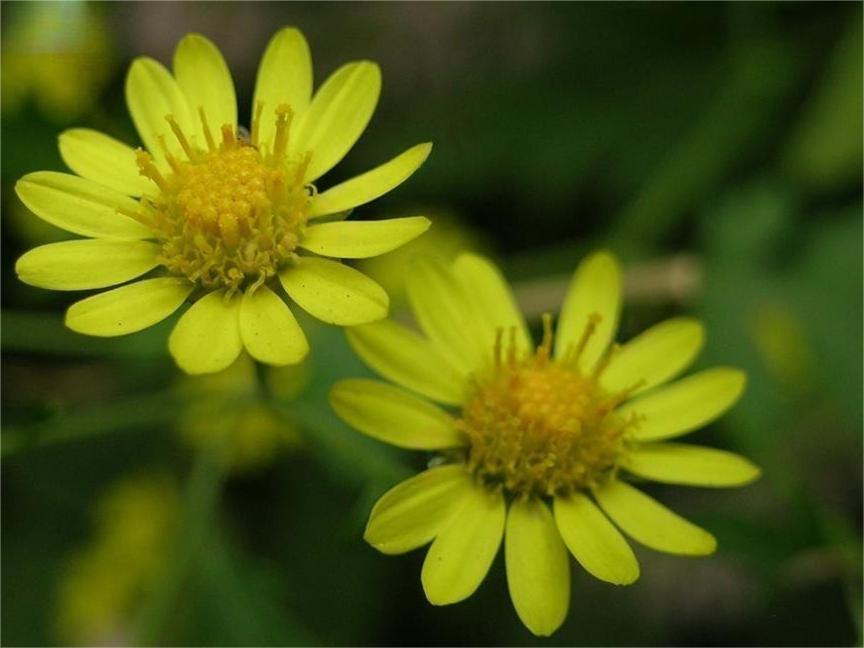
column 537, row 444
column 225, row 218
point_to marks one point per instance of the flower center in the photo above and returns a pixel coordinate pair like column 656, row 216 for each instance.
column 229, row 216
column 538, row 426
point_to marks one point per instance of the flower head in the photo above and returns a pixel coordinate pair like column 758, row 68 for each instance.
column 224, row 219
column 536, row 445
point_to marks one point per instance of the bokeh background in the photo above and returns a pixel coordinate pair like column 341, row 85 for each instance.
column 716, row 148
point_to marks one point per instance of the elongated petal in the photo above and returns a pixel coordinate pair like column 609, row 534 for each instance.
column 206, row 82
column 461, row 555
column 595, row 290
column 79, row 206
column 128, row 309
column 685, row 405
column 394, row 416
column 103, row 159
column 362, row 239
column 656, row 356
column 334, row 293
column 372, row 184
column 538, row 573
column 594, row 541
column 678, row 463
column 412, row 513
column 82, row 265
column 207, row 337
column 401, row 355
column 337, row 116
column 284, row 77
column 649, row 522
column 268, row 329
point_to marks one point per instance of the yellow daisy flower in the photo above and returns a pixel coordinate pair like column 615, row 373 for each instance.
column 536, row 445
column 226, row 219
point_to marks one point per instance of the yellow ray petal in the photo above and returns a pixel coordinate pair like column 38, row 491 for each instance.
column 394, row 416
column 268, row 329
column 333, row 292
column 79, row 206
column 461, row 555
column 337, row 116
column 362, row 239
column 412, row 513
column 129, row 308
column 594, row 290
column 372, row 184
column 649, row 522
column 399, row 354
column 594, row 541
column 656, row 356
column 678, row 463
column 103, row 159
column 538, row 573
column 82, row 265
column 685, row 405
column 207, row 337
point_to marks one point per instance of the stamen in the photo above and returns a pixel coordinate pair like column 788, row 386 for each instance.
column 284, row 117
column 594, row 320
column 256, row 120
column 178, row 133
column 211, row 145
column 229, row 140
column 148, row 169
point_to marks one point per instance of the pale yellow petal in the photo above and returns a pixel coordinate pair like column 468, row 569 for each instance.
column 401, row 355
column 337, row 116
column 595, row 290
column 129, row 308
column 333, row 292
column 654, row 357
column 594, row 541
column 678, row 463
column 538, row 572
column 362, row 239
column 103, row 159
column 463, row 551
column 80, row 206
column 87, row 264
column 269, row 331
column 370, row 185
column 394, row 415
column 412, row 513
column 652, row 524
column 207, row 337
column 685, row 405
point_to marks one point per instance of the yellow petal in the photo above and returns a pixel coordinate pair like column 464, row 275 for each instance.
column 538, row 573
column 372, row 184
column 337, row 116
column 268, row 329
column 649, row 522
column 129, row 308
column 678, row 463
column 461, row 555
column 685, row 405
column 399, row 354
column 82, row 265
column 362, row 239
column 151, row 94
column 79, row 206
column 656, row 356
column 284, row 77
column 594, row 541
column 394, row 416
column 594, row 290
column 207, row 337
column 412, row 513
column 333, row 292
column 206, row 82
column 103, row 159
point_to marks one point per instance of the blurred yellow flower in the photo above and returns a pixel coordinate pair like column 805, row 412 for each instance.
column 536, row 449
column 225, row 218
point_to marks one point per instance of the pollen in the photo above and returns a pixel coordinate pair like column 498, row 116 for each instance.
column 538, row 426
